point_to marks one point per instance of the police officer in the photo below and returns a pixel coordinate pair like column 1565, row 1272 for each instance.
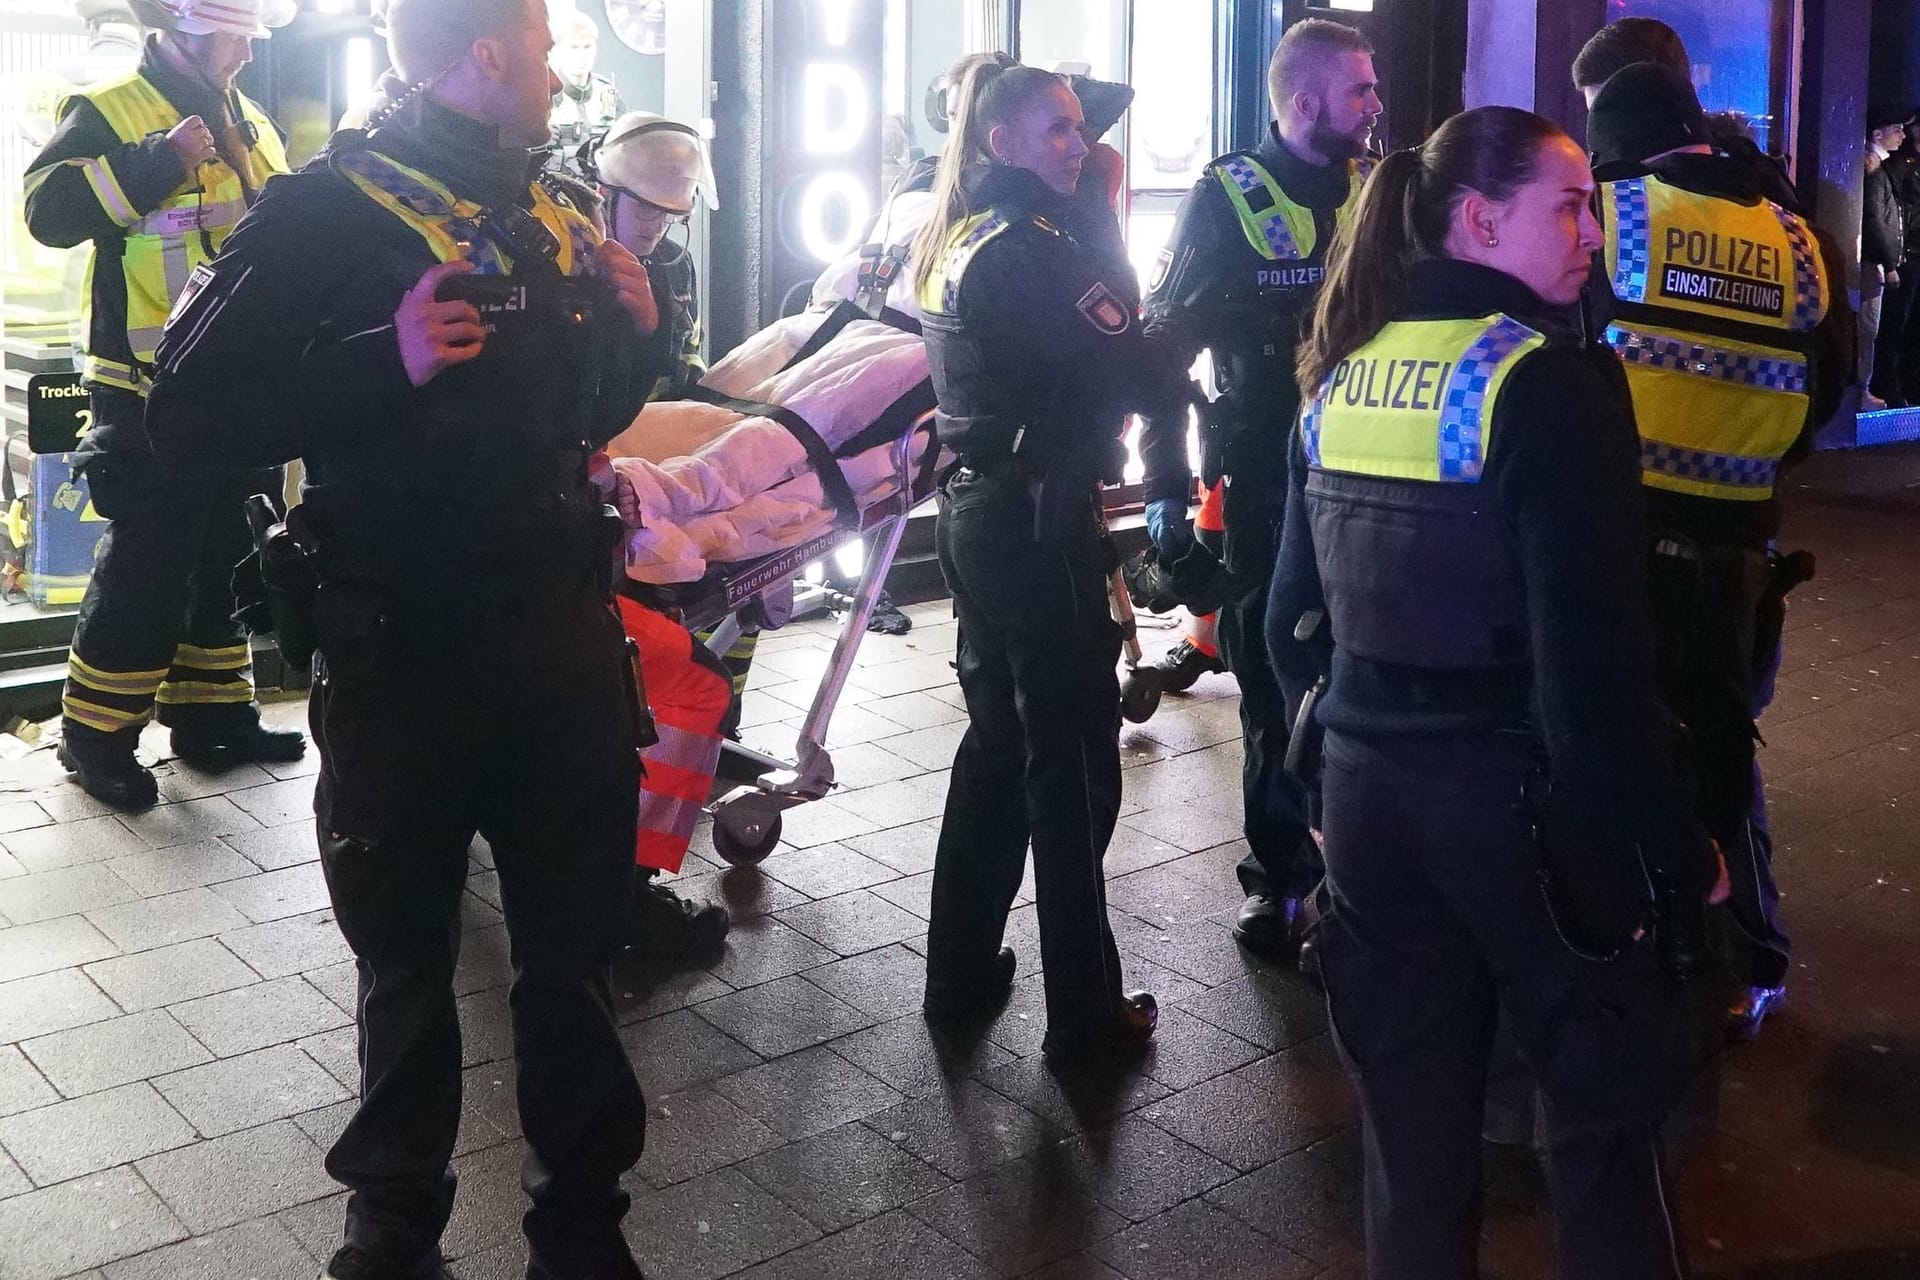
column 1247, row 254
column 650, row 172
column 155, row 168
column 1465, row 507
column 1736, row 347
column 1035, row 358
column 445, row 344
column 587, row 103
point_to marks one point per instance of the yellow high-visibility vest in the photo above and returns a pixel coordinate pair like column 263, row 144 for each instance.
column 1275, row 225
column 940, row 293
column 452, row 227
column 1416, row 402
column 164, row 245
column 1717, row 300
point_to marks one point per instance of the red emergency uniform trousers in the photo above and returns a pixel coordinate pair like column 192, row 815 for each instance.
column 1203, row 630
column 689, row 698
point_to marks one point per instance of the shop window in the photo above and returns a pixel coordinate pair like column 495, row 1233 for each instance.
column 1745, row 57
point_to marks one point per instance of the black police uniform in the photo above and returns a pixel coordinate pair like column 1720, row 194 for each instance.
column 156, row 623
column 470, row 675
column 1214, row 290
column 1035, row 358
column 1490, row 637
column 1717, row 618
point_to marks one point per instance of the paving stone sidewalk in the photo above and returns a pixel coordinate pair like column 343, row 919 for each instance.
column 177, row 1051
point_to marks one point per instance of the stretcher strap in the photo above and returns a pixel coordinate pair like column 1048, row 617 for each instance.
column 833, row 482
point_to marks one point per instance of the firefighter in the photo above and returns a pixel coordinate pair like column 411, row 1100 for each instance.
column 154, row 169
column 647, row 173
column 447, row 344
column 1035, row 359
column 1464, row 504
column 1726, row 310
column 651, row 172
column 1248, row 251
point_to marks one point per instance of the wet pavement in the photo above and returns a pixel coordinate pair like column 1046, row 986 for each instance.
column 176, row 1047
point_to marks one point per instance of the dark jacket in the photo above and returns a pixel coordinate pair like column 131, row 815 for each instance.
column 1040, row 355
column 675, row 347
column 1903, row 168
column 1563, row 471
column 1883, row 224
column 1213, row 291
column 62, row 210
column 411, row 493
column 1829, row 354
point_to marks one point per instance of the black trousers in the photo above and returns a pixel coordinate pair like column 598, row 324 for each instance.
column 1282, row 858
column 156, row 624
column 520, row 728
column 1435, row 923
column 1040, row 762
column 1894, row 350
column 1716, row 678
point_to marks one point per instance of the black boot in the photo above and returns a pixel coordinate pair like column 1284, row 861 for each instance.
column 956, row 1000
column 1185, row 663
column 1128, row 1034
column 351, row 1263
column 242, row 744
column 1271, row 927
column 665, row 926
column 103, row 766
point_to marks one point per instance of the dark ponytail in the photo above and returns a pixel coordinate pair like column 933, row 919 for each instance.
column 1402, row 218
column 989, row 95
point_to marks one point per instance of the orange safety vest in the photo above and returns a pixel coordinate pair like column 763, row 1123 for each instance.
column 688, row 702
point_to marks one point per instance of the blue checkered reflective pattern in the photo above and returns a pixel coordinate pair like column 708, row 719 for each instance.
column 1273, row 227
column 1310, row 419
column 1728, row 469
column 1809, row 302
column 1462, row 413
column 1632, row 239
column 962, row 254
column 1654, row 351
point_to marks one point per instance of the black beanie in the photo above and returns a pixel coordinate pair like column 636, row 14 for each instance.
column 1644, row 110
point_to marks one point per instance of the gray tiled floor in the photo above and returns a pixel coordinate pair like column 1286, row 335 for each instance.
column 176, row 1046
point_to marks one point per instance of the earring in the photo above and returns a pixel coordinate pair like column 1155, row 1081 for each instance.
column 1492, row 241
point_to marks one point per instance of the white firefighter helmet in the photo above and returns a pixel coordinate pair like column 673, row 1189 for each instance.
column 105, row 11
column 662, row 161
column 254, row 19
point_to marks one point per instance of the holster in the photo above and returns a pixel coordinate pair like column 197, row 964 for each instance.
column 276, row 587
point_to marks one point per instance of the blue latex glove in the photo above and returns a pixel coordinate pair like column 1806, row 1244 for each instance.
column 1167, row 526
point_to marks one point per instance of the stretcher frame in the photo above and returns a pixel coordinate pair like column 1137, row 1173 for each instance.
column 747, row 819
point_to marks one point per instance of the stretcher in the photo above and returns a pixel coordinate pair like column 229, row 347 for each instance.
column 747, row 819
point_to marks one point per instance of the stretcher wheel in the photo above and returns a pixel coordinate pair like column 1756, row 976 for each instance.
column 744, row 834
column 1140, row 696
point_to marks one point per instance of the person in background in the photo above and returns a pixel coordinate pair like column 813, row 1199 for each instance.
column 1883, row 247
column 587, row 102
column 1236, row 279
column 1477, row 543
column 343, row 324
column 1035, row 358
column 155, row 169
column 1883, row 235
column 647, row 174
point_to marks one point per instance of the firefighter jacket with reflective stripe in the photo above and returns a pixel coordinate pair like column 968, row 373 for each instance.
column 1238, row 278
column 289, row 350
column 1035, row 353
column 151, row 223
column 1717, row 302
column 1397, row 442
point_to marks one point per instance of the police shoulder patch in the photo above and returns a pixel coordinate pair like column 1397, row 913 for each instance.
column 1104, row 311
column 1161, row 266
column 197, row 283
